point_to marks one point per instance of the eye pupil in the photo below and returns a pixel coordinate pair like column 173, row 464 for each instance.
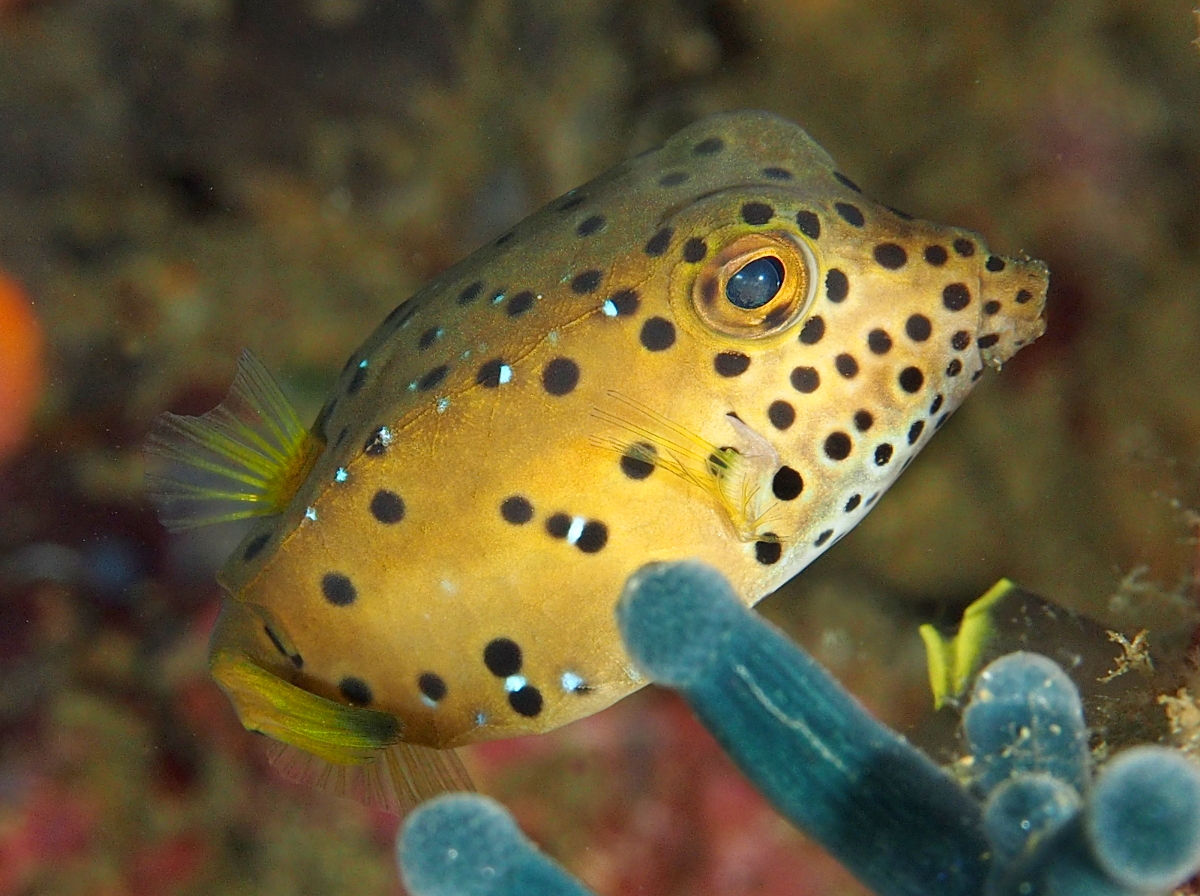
column 756, row 283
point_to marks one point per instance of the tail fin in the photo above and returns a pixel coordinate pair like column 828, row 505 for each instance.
column 244, row 458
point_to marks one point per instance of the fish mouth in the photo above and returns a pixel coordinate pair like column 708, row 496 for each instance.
column 1012, row 308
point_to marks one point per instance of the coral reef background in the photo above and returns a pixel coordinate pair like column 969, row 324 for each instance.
column 183, row 178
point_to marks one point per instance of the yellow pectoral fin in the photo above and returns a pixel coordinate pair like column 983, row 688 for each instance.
column 732, row 477
column 344, row 735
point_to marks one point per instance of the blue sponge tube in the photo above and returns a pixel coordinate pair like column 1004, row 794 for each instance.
column 896, row 820
column 1025, row 716
column 466, row 845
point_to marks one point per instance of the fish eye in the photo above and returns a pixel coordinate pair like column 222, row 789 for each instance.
column 751, row 285
column 756, row 283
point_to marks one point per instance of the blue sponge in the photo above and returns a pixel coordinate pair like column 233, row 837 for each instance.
column 1036, row 825
column 887, row 812
column 466, row 845
column 1025, row 716
column 1143, row 818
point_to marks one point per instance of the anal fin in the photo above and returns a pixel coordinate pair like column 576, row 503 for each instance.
column 395, row 780
column 350, row 751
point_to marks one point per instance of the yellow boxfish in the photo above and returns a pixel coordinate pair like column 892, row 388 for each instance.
column 719, row 349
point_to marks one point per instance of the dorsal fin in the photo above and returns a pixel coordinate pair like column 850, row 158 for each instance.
column 346, row 750
column 244, row 458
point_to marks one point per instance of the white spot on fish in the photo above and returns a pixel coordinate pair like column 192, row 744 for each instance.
column 571, row 682
column 384, row 435
column 552, row 337
column 341, row 475
column 498, row 298
column 505, row 374
column 449, row 587
column 363, row 364
column 432, row 704
column 609, row 308
column 442, row 404
column 480, row 719
column 514, row 683
column 311, row 514
column 576, row 529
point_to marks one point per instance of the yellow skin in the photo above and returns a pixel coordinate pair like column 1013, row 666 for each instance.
column 433, row 589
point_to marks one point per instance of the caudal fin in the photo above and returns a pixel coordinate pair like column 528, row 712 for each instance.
column 244, row 458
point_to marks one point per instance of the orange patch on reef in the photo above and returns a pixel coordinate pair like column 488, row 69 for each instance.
column 21, row 358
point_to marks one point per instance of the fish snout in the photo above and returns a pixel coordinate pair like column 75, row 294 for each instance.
column 1013, row 307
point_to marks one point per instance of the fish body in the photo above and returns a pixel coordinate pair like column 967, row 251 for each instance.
column 719, row 349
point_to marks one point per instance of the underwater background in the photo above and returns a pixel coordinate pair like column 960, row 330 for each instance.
column 185, row 178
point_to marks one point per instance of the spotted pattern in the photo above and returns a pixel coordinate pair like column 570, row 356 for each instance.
column 516, row 509
column 625, row 302
column 520, row 303
column 639, row 459
column 338, row 589
column 918, row 327
column 560, row 376
column 502, row 656
column 846, row 365
column 757, row 213
column 355, row 691
column 658, row 334
column 658, row 244
column 805, row 379
column 589, row 226
column 837, row 285
column 956, row 296
column 492, row 373
column 911, row 379
column 586, row 282
column 434, row 378
column 387, row 507
column 432, row 687
column 470, row 293
column 526, row 701
column 837, row 446
column 787, row 484
column 879, row 342
column 507, row 374
column 768, row 552
column 782, row 414
column 813, row 330
column 891, row 256
column 809, row 224
column 851, row 214
column 731, row 364
column 694, row 250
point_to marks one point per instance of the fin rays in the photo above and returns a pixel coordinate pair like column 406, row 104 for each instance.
column 244, row 458
column 731, row 477
column 345, row 750
column 395, row 779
